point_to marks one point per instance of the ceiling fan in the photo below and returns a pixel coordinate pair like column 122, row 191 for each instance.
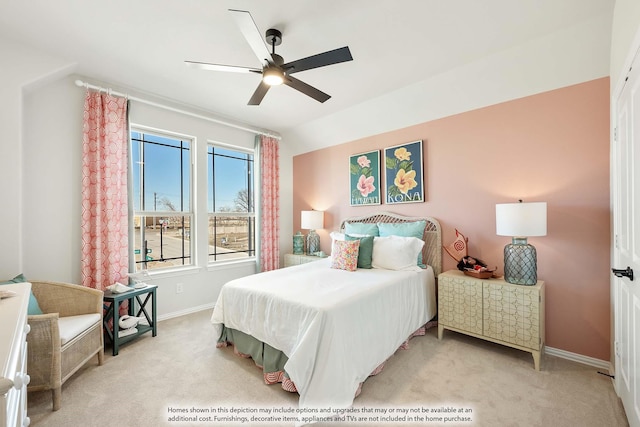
column 274, row 71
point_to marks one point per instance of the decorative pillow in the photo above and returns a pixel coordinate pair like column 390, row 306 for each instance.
column 34, row 307
column 396, row 252
column 404, row 229
column 361, row 228
column 345, row 256
column 365, row 251
column 335, row 236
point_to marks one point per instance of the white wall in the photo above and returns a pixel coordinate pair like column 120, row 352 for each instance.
column 21, row 66
column 625, row 29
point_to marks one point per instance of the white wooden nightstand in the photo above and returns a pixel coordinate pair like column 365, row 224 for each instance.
column 292, row 259
column 493, row 310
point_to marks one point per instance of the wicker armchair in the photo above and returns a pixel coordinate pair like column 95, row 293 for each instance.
column 50, row 361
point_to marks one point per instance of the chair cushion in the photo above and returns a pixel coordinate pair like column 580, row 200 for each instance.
column 72, row 326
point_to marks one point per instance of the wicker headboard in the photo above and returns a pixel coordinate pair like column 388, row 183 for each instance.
column 432, row 250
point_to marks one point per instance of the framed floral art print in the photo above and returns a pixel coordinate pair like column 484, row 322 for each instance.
column 364, row 179
column 403, row 173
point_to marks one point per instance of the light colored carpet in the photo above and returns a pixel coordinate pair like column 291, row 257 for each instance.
column 182, row 369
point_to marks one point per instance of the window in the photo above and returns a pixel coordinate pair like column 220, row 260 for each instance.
column 162, row 206
column 230, row 203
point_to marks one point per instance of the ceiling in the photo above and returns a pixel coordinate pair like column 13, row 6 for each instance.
column 142, row 45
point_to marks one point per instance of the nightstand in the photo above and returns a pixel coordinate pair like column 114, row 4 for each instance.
column 113, row 312
column 292, row 259
column 493, row 310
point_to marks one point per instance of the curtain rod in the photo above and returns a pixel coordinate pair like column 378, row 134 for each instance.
column 80, row 83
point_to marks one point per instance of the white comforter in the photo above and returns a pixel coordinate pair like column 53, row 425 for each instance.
column 335, row 326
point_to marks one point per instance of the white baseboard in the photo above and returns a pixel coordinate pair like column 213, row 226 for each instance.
column 187, row 311
column 575, row 357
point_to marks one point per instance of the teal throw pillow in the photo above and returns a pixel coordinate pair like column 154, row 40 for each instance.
column 404, row 229
column 365, row 253
column 34, row 307
column 361, row 228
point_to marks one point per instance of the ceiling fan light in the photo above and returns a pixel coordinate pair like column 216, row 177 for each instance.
column 273, row 76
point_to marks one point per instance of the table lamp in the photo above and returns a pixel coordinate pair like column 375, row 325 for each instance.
column 521, row 220
column 312, row 220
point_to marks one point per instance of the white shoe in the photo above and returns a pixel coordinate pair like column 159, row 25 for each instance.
column 118, row 288
column 127, row 322
column 127, row 332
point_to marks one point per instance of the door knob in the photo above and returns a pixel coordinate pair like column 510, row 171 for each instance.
column 628, row 272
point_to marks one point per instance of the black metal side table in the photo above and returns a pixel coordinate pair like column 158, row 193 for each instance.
column 113, row 312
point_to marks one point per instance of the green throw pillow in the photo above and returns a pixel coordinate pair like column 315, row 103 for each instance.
column 365, row 253
column 361, row 228
column 404, row 229
column 34, row 307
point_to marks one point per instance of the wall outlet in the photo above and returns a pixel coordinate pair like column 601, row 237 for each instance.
column 179, row 288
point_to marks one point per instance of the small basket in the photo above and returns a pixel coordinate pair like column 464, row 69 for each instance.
column 479, row 274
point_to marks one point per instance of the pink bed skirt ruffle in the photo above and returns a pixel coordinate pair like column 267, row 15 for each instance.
column 288, row 385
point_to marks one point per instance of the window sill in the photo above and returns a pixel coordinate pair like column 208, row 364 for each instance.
column 170, row 272
column 225, row 265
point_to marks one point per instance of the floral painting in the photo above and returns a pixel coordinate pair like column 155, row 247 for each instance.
column 403, row 173
column 364, row 178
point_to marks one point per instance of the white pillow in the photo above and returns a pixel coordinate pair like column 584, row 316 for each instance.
column 396, row 252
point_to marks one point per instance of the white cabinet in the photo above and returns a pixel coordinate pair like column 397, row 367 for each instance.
column 13, row 356
column 291, row 259
column 494, row 310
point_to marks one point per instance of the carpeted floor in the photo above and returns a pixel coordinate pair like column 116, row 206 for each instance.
column 181, row 370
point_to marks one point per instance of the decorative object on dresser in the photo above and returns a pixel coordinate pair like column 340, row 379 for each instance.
column 469, row 265
column 521, row 220
column 493, row 310
column 13, row 354
column 298, row 243
column 458, row 249
column 65, row 337
column 312, row 221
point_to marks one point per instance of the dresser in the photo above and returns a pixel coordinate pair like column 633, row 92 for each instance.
column 292, row 259
column 13, row 356
column 493, row 310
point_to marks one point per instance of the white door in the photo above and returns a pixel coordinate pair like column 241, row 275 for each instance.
column 626, row 214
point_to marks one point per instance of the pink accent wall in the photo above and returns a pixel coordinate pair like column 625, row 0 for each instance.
column 551, row 147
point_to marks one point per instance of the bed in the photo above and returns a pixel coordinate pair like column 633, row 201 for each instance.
column 321, row 331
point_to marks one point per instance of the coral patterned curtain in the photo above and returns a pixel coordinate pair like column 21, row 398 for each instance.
column 105, row 228
column 269, row 203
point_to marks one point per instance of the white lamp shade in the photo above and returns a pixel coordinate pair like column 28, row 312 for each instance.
column 312, row 220
column 521, row 219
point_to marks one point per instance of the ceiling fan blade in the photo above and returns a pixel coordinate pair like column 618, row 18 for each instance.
column 251, row 33
column 335, row 56
column 218, row 67
column 260, row 92
column 308, row 90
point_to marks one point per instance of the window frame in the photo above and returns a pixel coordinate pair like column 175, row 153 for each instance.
column 189, row 214
column 252, row 214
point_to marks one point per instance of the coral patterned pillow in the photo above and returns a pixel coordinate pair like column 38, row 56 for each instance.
column 345, row 255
